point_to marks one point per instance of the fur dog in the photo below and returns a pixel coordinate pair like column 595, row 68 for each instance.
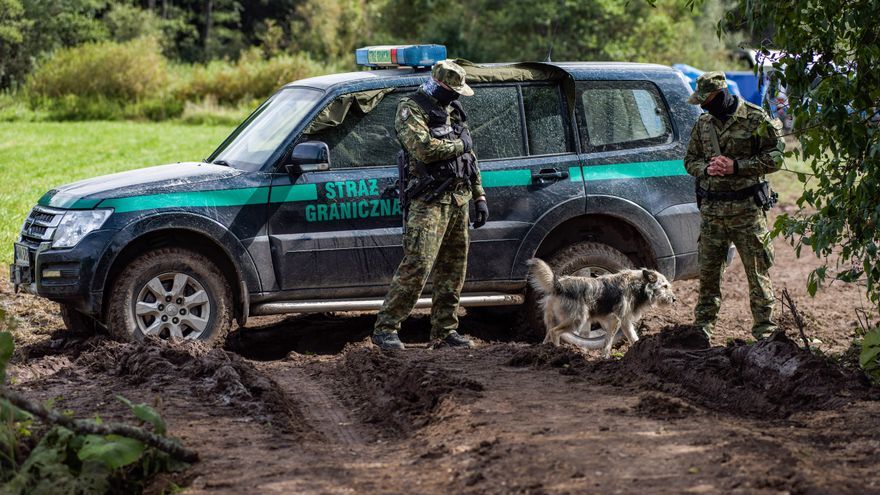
column 615, row 301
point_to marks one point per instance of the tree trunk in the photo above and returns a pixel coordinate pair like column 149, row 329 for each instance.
column 209, row 20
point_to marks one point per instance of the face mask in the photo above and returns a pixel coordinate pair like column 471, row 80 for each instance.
column 441, row 94
column 722, row 105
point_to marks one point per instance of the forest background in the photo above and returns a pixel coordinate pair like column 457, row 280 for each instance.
column 212, row 61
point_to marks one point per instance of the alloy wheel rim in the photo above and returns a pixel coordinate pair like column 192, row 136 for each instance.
column 173, row 305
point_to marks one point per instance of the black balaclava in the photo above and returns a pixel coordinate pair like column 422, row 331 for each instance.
column 722, row 106
column 441, row 94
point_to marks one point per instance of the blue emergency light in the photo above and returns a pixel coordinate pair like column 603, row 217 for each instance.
column 400, row 55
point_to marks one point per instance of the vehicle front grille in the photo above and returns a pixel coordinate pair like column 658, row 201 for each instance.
column 40, row 226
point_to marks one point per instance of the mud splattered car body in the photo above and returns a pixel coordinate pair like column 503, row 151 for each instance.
column 590, row 155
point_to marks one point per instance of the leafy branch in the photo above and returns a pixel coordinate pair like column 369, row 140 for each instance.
column 85, row 427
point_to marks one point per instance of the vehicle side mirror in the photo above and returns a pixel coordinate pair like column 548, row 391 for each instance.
column 310, row 156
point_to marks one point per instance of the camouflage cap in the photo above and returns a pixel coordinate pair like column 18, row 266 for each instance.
column 452, row 75
column 707, row 83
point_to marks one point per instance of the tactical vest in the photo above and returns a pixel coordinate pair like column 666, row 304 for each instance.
column 463, row 166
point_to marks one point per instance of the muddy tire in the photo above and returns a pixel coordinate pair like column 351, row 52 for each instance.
column 584, row 259
column 77, row 322
column 171, row 293
column 589, row 259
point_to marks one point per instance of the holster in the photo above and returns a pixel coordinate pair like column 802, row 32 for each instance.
column 764, row 196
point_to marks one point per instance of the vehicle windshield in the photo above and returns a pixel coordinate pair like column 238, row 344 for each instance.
column 255, row 141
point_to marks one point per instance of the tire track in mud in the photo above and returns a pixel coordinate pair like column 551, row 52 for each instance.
column 326, row 414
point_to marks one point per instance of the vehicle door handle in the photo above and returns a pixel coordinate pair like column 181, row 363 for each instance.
column 546, row 175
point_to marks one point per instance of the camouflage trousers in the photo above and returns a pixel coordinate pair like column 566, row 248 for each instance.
column 748, row 233
column 436, row 235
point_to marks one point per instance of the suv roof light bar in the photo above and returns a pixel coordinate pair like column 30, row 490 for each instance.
column 400, row 55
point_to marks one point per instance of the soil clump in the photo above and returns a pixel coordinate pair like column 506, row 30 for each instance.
column 212, row 374
column 770, row 378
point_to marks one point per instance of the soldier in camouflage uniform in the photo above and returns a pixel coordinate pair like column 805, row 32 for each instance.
column 437, row 229
column 732, row 147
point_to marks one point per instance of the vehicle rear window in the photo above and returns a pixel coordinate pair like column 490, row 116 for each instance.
column 546, row 128
column 364, row 140
column 495, row 123
column 620, row 115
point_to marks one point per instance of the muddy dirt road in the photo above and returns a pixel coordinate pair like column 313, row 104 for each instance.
column 305, row 405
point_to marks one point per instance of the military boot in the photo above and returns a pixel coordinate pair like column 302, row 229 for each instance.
column 455, row 339
column 386, row 341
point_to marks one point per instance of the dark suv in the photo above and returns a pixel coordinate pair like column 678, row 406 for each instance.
column 296, row 212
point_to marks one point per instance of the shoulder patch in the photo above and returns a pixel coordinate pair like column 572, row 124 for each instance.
column 404, row 113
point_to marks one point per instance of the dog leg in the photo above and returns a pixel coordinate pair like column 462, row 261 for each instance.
column 549, row 319
column 556, row 332
column 630, row 331
column 614, row 325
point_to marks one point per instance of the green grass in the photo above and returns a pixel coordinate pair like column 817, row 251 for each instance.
column 37, row 156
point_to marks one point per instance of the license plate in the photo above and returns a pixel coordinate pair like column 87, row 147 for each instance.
column 22, row 255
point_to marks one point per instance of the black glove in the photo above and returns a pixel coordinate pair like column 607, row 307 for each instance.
column 467, row 141
column 482, row 213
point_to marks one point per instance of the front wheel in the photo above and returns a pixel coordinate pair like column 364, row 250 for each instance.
column 171, row 293
column 584, row 259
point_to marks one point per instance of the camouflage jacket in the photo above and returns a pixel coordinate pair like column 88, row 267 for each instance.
column 751, row 138
column 411, row 125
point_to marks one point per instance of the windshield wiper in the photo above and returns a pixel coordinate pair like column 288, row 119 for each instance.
column 221, row 162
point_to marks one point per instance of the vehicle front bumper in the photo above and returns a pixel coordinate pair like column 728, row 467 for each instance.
column 63, row 275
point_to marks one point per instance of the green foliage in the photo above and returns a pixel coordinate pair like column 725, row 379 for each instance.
column 869, row 357
column 128, row 72
column 12, row 29
column 146, row 414
column 35, row 28
column 491, row 31
column 828, row 54
column 334, row 27
column 128, row 22
column 64, row 461
column 251, row 77
column 139, row 84
column 113, row 451
column 209, row 112
column 6, row 348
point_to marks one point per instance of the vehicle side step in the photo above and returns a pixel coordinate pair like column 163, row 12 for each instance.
column 324, row 306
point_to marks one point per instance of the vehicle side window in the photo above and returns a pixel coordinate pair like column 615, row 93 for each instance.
column 546, row 128
column 621, row 115
column 364, row 140
column 495, row 123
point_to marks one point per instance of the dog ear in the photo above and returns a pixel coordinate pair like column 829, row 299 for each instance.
column 650, row 276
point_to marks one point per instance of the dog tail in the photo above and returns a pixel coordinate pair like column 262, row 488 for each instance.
column 542, row 277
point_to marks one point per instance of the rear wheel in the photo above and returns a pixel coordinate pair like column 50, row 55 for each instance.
column 77, row 322
column 171, row 293
column 584, row 259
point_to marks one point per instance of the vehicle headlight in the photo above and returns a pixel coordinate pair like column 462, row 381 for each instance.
column 76, row 224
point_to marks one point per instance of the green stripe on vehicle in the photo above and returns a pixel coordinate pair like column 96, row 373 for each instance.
column 295, row 192
column 574, row 174
column 639, row 170
column 506, row 178
column 192, row 199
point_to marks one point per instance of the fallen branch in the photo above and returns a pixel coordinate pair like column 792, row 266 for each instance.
column 91, row 428
column 796, row 315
